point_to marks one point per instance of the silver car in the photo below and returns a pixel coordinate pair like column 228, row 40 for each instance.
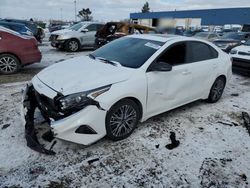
column 80, row 35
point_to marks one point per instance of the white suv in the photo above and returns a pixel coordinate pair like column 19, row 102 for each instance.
column 126, row 81
column 76, row 37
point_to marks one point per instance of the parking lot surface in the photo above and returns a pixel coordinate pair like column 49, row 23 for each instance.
column 213, row 151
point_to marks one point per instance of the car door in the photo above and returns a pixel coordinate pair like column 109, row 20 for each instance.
column 87, row 34
column 204, row 60
column 167, row 90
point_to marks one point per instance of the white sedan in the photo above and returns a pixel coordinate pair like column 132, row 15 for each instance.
column 126, row 81
column 241, row 58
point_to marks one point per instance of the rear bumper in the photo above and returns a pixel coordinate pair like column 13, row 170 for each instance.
column 67, row 128
column 32, row 57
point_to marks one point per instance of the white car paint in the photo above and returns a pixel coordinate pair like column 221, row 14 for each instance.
column 242, row 48
column 156, row 91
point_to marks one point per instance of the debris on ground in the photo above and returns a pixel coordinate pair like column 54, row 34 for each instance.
column 246, row 119
column 235, row 94
column 157, row 146
column 5, row 126
column 93, row 160
column 229, row 124
column 174, row 143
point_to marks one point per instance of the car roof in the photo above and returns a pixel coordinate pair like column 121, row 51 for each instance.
column 90, row 22
column 11, row 23
column 158, row 37
column 4, row 29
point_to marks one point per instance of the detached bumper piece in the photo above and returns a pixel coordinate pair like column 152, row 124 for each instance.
column 30, row 104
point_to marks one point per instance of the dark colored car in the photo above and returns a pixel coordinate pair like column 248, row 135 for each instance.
column 20, row 28
column 172, row 31
column 37, row 31
column 246, row 28
column 190, row 33
column 16, row 50
column 114, row 30
column 231, row 40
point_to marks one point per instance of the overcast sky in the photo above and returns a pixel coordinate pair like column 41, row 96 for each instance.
column 103, row 10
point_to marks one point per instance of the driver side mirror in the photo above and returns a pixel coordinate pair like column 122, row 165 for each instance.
column 160, row 66
column 84, row 30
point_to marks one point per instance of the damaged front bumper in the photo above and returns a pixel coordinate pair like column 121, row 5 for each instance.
column 83, row 127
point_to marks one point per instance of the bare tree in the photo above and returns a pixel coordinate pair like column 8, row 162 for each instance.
column 85, row 14
column 145, row 8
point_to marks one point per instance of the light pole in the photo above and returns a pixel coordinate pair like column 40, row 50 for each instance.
column 75, row 10
column 61, row 13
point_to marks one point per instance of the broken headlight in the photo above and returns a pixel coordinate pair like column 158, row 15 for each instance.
column 80, row 100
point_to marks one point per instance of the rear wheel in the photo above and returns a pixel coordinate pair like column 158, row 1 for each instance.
column 122, row 119
column 72, row 45
column 9, row 64
column 217, row 90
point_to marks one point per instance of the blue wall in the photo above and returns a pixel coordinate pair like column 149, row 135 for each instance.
column 208, row 16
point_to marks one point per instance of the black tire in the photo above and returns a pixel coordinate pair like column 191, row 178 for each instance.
column 216, row 90
column 123, row 129
column 72, row 45
column 9, row 64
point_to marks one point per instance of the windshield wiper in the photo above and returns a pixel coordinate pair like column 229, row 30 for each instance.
column 114, row 63
column 91, row 56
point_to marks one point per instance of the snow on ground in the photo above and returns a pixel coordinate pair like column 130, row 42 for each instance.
column 210, row 154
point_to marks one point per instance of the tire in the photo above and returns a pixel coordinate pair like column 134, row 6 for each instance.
column 117, row 126
column 9, row 64
column 217, row 90
column 72, row 45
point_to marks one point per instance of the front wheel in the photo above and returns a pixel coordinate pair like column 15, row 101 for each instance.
column 122, row 119
column 72, row 45
column 217, row 90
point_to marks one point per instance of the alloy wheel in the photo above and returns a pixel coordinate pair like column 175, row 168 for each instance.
column 217, row 89
column 123, row 120
column 73, row 46
column 8, row 65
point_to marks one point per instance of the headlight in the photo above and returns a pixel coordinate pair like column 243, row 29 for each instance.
column 233, row 51
column 80, row 100
column 60, row 37
column 232, row 44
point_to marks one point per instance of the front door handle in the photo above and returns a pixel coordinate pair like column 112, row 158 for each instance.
column 186, row 72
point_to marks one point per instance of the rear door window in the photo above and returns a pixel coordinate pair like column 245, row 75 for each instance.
column 92, row 27
column 175, row 54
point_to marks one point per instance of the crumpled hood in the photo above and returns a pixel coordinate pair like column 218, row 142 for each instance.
column 82, row 74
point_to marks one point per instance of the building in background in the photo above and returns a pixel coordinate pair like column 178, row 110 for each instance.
column 194, row 18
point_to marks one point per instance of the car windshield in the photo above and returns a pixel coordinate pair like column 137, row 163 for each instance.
column 201, row 35
column 247, row 43
column 235, row 36
column 76, row 27
column 129, row 52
